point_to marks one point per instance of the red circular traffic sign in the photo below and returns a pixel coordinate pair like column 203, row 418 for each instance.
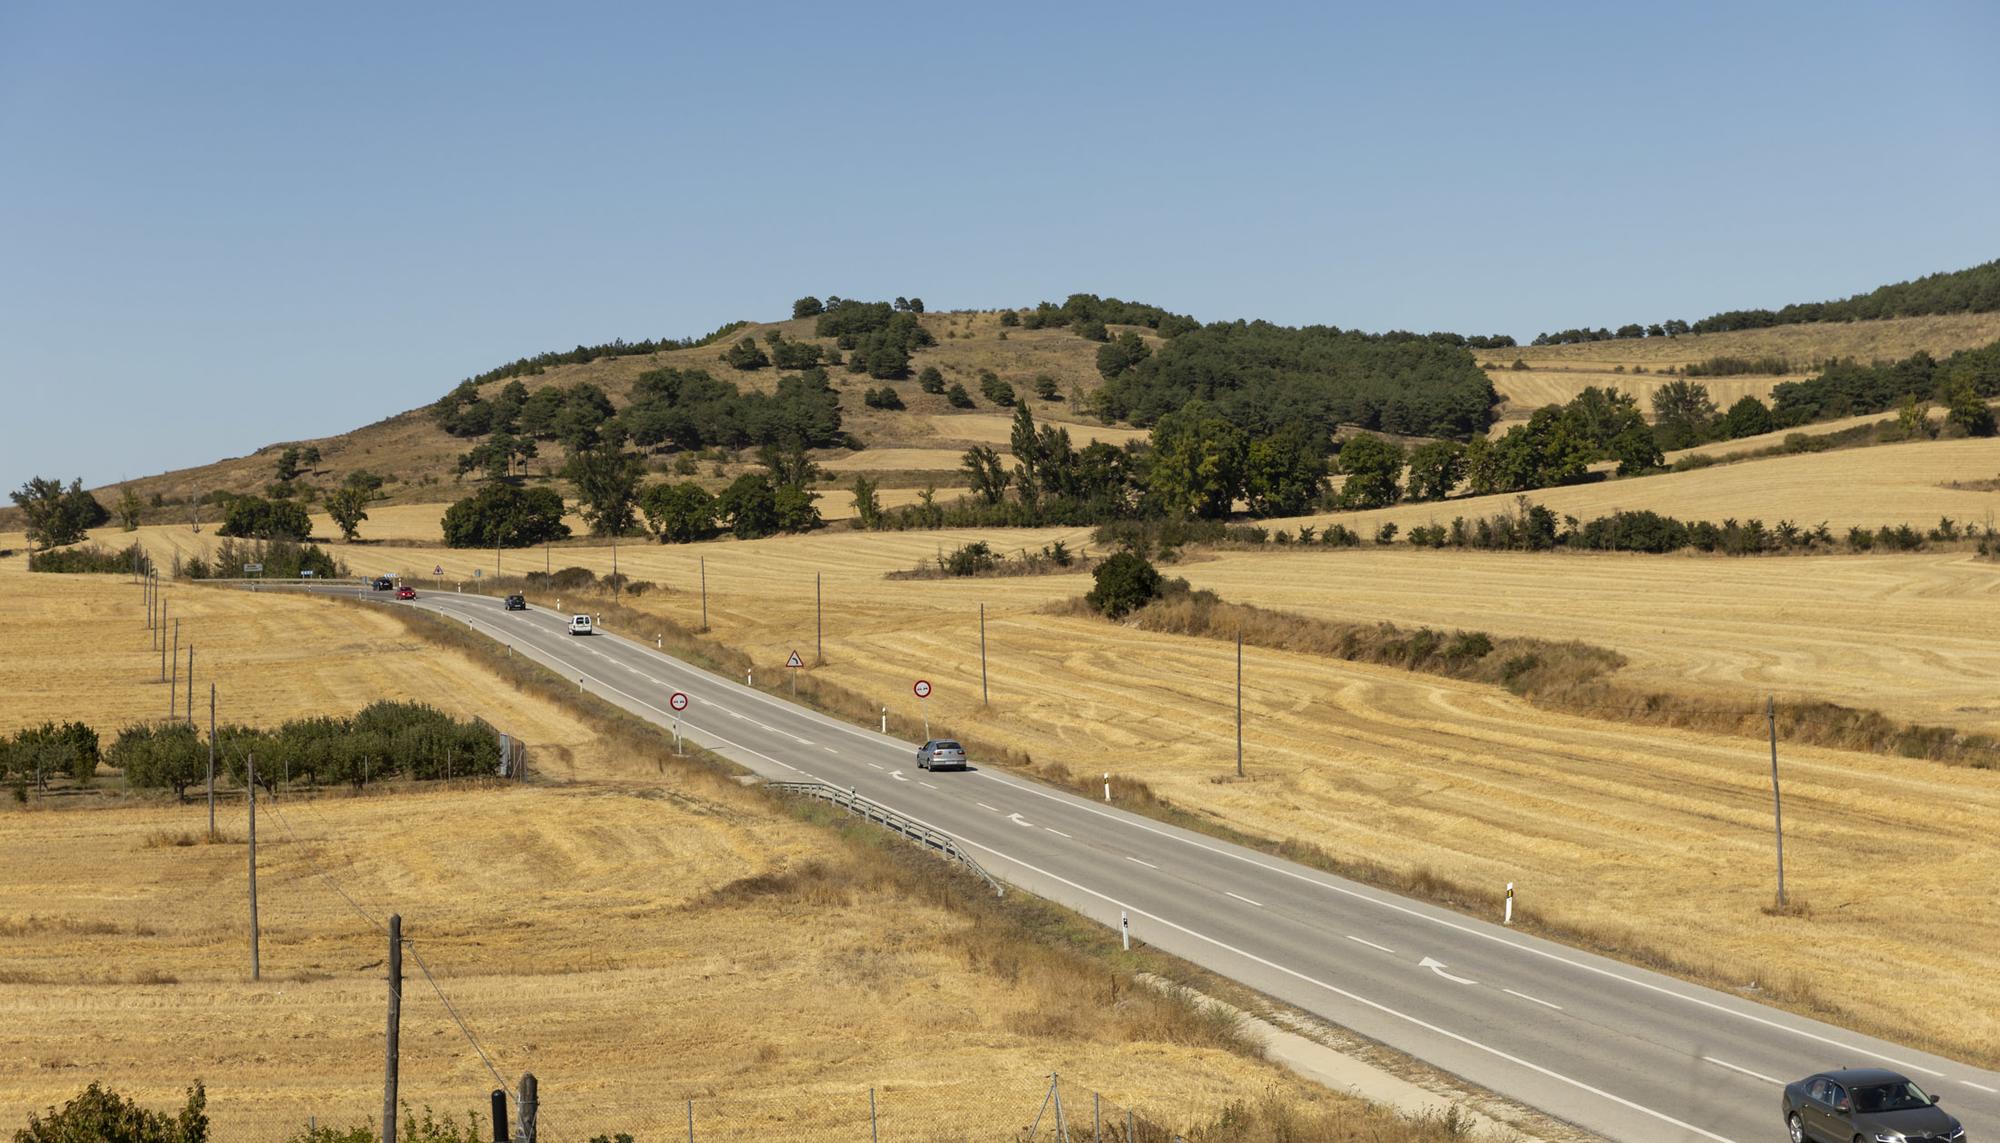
column 679, row 701
column 923, row 688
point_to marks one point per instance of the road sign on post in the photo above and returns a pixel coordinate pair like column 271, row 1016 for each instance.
column 253, row 569
column 679, row 702
column 923, row 692
column 795, row 663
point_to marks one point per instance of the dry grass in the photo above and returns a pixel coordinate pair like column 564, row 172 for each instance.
column 663, row 906
column 1461, row 783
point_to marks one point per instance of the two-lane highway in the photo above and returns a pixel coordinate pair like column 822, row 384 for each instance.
column 1626, row 1053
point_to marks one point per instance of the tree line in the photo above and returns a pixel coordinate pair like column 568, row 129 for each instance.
column 617, row 347
column 1972, row 290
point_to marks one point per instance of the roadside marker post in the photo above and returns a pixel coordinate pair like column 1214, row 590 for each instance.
column 1125, row 928
column 923, row 692
column 1107, row 785
column 1509, row 918
column 680, row 703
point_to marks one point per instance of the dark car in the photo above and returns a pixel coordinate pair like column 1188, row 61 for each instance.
column 385, row 583
column 406, row 593
column 1865, row 1104
column 941, row 754
column 516, row 603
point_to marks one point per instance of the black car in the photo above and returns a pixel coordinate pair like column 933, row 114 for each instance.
column 385, row 583
column 516, row 603
column 1865, row 1104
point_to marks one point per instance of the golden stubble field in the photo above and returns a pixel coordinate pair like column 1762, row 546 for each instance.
column 1895, row 858
column 636, row 938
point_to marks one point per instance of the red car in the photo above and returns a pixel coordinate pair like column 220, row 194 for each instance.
column 406, row 592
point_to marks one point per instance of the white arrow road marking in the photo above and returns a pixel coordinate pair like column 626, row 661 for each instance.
column 1242, row 898
column 1373, row 945
column 1437, row 966
column 898, row 775
column 1537, row 1000
column 1018, row 820
column 1745, row 1071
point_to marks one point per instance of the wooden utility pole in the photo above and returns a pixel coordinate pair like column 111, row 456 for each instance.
column 173, row 688
column 1777, row 804
column 1239, row 702
column 819, row 625
column 190, row 686
column 163, row 638
column 704, row 593
column 984, row 700
column 256, row 962
column 211, row 761
column 395, row 1028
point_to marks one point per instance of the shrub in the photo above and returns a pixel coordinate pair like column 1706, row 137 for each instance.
column 1045, row 388
column 958, row 397
column 251, row 517
column 100, row 1115
column 930, row 380
column 89, row 558
column 1386, row 534
column 969, row 559
column 1125, row 582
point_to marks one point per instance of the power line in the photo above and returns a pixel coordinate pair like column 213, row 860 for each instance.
column 456, row 1018
column 327, row 877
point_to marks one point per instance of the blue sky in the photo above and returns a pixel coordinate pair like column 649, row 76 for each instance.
column 227, row 225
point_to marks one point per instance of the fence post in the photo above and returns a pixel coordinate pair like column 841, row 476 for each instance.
column 1128, row 1126
column 690, row 1121
column 1062, row 1128
column 1096, row 1117
column 874, row 1135
column 531, row 1102
column 500, row 1116
column 390, row 1060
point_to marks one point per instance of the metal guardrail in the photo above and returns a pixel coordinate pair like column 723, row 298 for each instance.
column 923, row 833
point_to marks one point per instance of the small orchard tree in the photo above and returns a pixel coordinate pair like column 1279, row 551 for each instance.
column 100, row 1115
column 1125, row 583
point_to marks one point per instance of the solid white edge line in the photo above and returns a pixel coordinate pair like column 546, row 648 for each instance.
column 1981, row 1087
column 1532, row 999
column 1744, row 1070
column 1242, row 898
column 1297, row 875
column 1371, row 944
column 1363, row 1000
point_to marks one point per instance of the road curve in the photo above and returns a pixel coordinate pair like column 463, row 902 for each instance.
column 1626, row 1053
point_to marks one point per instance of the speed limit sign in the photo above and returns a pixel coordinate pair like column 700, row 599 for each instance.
column 679, row 701
column 923, row 688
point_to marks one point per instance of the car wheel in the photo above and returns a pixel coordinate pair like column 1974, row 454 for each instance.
column 1797, row 1129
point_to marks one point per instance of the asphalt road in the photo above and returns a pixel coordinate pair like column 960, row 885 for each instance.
column 1620, row 1051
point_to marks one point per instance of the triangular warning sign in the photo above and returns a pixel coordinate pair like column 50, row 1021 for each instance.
column 795, row 661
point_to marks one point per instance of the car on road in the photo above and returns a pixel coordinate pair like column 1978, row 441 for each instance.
column 1865, row 1105
column 385, row 583
column 406, row 592
column 579, row 625
column 516, row 603
column 941, row 754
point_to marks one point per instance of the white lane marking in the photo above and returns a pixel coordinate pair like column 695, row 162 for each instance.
column 984, row 806
column 875, row 766
column 925, row 785
column 1057, row 832
column 1532, row 999
column 1242, row 898
column 1437, row 966
column 1298, row 875
column 1363, row 1000
column 829, row 750
column 1018, row 820
column 898, row 775
column 1372, row 945
column 1744, row 1070
column 1147, row 864
column 1981, row 1087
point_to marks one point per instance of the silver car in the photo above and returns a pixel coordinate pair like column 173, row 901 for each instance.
column 941, row 754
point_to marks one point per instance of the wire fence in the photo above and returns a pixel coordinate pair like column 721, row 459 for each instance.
column 1030, row 1108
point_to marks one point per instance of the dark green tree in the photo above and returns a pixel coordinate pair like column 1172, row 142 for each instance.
column 930, row 380
column 867, row 505
column 1436, row 467
column 807, row 306
column 100, row 1115
column 1748, row 417
column 1198, row 457
column 252, row 517
column 607, row 488
column 506, row 515
column 745, row 354
column 1967, row 410
column 1683, row 414
column 1637, row 450
column 56, row 515
column 989, row 474
column 679, row 513
column 750, row 505
column 348, row 506
column 159, row 756
column 1124, row 583
column 1285, row 472
column 958, row 397
column 1373, row 468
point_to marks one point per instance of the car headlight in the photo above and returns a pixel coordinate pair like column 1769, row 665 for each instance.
column 1888, row 1137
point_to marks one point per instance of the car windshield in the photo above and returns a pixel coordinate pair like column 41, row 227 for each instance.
column 948, row 746
column 1904, row 1096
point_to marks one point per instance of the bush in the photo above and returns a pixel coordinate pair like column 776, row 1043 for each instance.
column 252, row 517
column 1125, row 583
column 89, row 558
column 930, row 380
column 969, row 559
column 958, row 397
column 100, row 1115
column 997, row 391
column 884, row 398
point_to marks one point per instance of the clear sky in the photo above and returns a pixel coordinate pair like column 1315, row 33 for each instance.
column 224, row 225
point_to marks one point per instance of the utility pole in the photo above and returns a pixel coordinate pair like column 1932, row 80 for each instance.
column 190, row 686
column 984, row 700
column 1777, row 805
column 819, row 625
column 256, row 965
column 163, row 638
column 173, row 688
column 395, row 1028
column 211, row 761
column 1239, row 702
column 704, row 593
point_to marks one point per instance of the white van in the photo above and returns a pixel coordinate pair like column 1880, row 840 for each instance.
column 579, row 624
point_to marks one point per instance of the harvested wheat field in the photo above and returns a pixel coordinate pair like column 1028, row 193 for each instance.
column 636, row 939
column 1464, row 781
column 1523, row 392
column 1937, row 334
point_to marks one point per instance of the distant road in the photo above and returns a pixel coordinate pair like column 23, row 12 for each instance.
column 1626, row 1053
